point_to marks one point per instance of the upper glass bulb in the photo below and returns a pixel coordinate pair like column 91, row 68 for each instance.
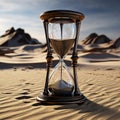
column 62, row 33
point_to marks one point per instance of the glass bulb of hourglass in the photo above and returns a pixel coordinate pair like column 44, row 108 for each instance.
column 62, row 39
column 61, row 80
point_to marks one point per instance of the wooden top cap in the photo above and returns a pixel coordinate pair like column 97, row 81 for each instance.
column 64, row 14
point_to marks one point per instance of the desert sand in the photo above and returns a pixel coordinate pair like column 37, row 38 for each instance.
column 22, row 77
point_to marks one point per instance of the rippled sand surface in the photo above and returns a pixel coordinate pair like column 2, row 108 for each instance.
column 22, row 77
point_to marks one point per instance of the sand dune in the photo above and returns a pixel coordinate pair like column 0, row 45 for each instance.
column 13, row 38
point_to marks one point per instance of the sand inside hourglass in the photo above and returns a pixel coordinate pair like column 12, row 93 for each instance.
column 61, row 87
column 62, row 47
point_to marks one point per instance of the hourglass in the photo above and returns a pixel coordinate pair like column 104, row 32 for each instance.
column 62, row 28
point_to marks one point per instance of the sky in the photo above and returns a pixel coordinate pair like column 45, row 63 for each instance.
column 101, row 16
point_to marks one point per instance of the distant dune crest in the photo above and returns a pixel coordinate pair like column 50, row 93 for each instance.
column 95, row 42
column 13, row 38
column 95, row 39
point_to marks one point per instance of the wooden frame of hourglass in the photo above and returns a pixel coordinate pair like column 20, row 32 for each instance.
column 70, row 16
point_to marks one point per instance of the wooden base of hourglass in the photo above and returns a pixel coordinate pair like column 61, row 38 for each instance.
column 46, row 98
column 57, row 100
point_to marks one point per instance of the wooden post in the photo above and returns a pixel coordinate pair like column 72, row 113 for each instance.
column 75, row 58
column 48, row 58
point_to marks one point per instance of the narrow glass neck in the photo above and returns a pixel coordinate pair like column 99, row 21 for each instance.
column 61, row 58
